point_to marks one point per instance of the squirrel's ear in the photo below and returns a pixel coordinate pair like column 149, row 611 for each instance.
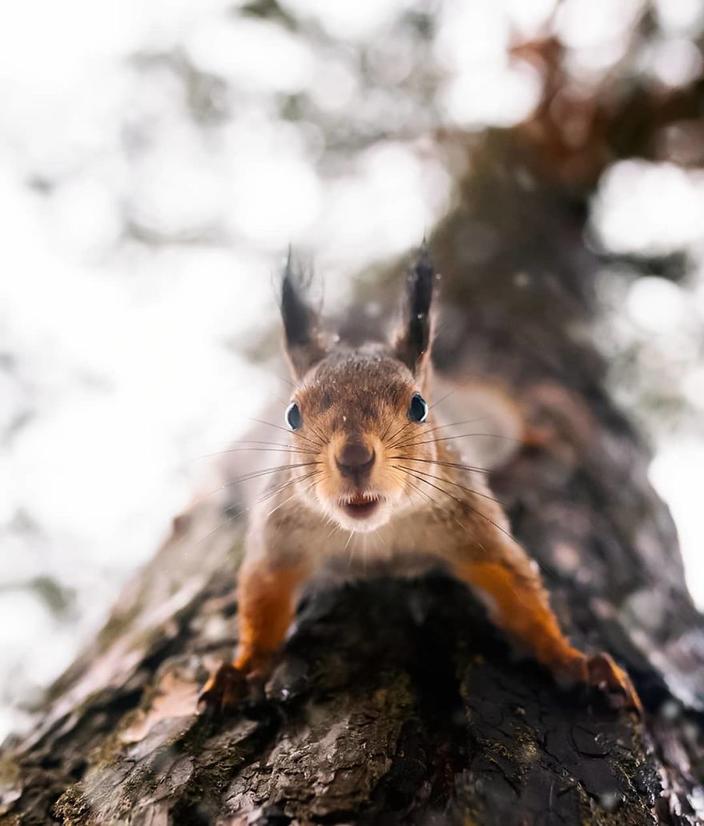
column 413, row 337
column 304, row 345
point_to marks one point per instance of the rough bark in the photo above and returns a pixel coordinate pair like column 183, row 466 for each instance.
column 397, row 702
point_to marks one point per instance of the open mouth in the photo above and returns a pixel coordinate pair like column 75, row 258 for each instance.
column 360, row 505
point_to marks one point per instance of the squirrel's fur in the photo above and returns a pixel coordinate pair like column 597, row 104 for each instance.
column 368, row 484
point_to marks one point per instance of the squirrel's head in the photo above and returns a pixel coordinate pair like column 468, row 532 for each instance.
column 360, row 414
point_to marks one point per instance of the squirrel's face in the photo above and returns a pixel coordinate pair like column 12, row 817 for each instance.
column 359, row 415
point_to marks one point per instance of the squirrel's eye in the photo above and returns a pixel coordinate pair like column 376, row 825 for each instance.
column 293, row 416
column 418, row 408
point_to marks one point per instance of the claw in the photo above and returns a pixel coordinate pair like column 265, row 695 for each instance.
column 604, row 674
column 226, row 689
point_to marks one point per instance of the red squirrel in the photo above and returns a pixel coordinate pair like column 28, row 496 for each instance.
column 370, row 475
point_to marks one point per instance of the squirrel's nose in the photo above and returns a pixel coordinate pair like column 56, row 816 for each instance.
column 355, row 460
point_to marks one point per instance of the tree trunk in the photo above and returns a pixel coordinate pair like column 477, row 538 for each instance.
column 396, row 701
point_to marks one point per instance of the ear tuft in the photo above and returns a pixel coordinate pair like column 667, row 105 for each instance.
column 303, row 341
column 413, row 338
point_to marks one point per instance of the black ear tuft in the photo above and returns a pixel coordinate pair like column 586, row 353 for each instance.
column 302, row 337
column 413, row 338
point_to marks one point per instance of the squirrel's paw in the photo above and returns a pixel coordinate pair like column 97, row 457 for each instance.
column 603, row 673
column 226, row 690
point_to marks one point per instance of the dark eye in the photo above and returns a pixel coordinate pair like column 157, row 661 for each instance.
column 293, row 416
column 418, row 408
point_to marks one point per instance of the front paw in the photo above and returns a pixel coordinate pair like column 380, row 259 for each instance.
column 226, row 690
column 599, row 671
column 603, row 673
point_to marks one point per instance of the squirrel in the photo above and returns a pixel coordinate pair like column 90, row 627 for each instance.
column 369, row 475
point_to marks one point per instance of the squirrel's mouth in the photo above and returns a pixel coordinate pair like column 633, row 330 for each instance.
column 360, row 505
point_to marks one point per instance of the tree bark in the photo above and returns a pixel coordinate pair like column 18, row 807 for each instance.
column 396, row 701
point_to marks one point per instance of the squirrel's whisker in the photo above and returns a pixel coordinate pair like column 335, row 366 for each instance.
column 460, row 436
column 421, row 479
column 429, row 430
column 243, row 444
column 230, row 517
column 442, row 399
column 334, row 528
column 464, row 502
column 450, row 482
column 257, row 474
column 447, row 493
column 266, row 442
column 246, row 477
column 386, row 430
column 418, row 489
column 291, row 482
column 281, row 504
column 393, row 436
column 403, row 478
column 288, row 432
column 400, row 430
column 323, row 438
column 287, row 451
column 445, row 426
column 457, row 465
column 287, row 484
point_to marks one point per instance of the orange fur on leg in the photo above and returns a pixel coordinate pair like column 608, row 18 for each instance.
column 266, row 602
column 519, row 605
column 266, row 599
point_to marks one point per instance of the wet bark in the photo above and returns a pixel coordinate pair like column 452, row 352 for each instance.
column 397, row 702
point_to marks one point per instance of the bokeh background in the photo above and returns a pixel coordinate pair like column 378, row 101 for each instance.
column 156, row 160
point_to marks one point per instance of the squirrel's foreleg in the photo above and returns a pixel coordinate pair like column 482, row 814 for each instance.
column 266, row 594
column 519, row 605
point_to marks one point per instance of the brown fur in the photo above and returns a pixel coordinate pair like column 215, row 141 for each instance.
column 432, row 511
